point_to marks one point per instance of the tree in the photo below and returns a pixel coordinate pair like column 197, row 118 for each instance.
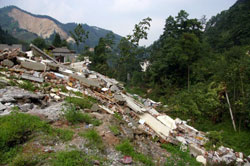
column 57, row 42
column 40, row 43
column 140, row 31
column 79, row 34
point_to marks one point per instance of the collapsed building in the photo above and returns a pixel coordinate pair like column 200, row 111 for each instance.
column 37, row 66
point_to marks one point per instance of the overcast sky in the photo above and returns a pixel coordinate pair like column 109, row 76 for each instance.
column 120, row 16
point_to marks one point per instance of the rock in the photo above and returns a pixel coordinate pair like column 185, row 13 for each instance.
column 201, row 159
column 2, row 107
column 52, row 112
column 26, row 107
column 126, row 160
column 195, row 150
column 119, row 99
column 96, row 162
column 34, row 66
column 7, row 63
column 114, row 88
column 95, row 108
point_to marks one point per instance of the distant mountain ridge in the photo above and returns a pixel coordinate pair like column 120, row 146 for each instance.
column 27, row 26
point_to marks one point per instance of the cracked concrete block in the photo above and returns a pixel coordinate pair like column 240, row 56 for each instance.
column 34, row 66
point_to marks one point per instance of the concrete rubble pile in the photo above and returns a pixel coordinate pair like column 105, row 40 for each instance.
column 140, row 114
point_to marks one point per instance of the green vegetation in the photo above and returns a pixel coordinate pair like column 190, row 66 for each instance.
column 115, row 130
column 75, row 116
column 94, row 138
column 27, row 85
column 16, row 129
column 127, row 149
column 63, row 134
column 71, row 158
column 80, row 102
column 178, row 157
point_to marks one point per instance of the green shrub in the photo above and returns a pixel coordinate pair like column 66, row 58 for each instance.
column 127, row 149
column 79, row 102
column 71, row 158
column 94, row 138
column 178, row 157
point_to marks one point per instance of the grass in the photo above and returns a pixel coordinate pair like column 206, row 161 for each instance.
column 117, row 116
column 75, row 116
column 18, row 128
column 27, row 159
column 63, row 134
column 27, row 85
column 235, row 140
column 127, row 149
column 178, row 157
column 114, row 129
column 71, row 158
column 95, row 140
column 79, row 102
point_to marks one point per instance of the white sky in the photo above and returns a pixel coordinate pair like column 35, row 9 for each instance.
column 120, row 16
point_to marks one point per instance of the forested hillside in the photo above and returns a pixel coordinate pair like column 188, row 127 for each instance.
column 192, row 71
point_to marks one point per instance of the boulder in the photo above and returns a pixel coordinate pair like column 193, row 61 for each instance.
column 7, row 63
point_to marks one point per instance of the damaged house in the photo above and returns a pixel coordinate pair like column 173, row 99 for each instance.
column 63, row 54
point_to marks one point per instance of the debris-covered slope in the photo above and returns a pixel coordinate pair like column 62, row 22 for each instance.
column 92, row 120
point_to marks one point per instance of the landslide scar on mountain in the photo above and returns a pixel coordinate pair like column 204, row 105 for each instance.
column 43, row 27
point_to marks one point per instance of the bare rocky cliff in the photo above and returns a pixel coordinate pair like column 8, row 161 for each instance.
column 43, row 27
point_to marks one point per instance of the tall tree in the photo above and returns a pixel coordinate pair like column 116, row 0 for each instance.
column 57, row 42
column 79, row 34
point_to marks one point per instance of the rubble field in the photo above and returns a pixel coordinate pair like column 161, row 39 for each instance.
column 90, row 116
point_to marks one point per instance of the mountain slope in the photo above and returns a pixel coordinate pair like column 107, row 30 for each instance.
column 230, row 27
column 27, row 26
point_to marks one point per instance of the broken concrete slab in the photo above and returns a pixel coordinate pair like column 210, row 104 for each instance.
column 32, row 78
column 53, row 66
column 86, row 82
column 114, row 88
column 166, row 120
column 34, row 66
column 37, row 52
column 7, row 63
column 106, row 109
column 157, row 126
